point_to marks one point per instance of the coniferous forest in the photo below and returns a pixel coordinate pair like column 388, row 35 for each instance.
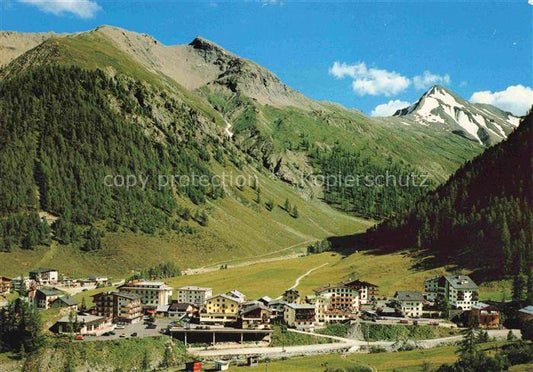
column 481, row 218
column 63, row 130
column 357, row 184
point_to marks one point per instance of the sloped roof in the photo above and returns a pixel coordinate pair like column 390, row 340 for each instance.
column 332, row 286
column 357, row 282
column 179, row 306
column 42, row 270
column 254, row 307
column 69, row 301
column 301, row 306
column 128, row 295
column 194, row 288
column 480, row 305
column 223, row 295
column 461, row 282
column 527, row 310
column 409, row 296
column 50, row 291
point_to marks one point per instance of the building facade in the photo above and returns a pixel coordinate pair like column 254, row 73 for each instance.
column 44, row 276
column 151, row 294
column 485, row 315
column 44, row 297
column 256, row 316
column 220, row 309
column 368, row 292
column 120, row 307
column 291, row 296
column 5, row 285
column 194, row 295
column 83, row 325
column 409, row 303
column 431, row 288
column 300, row 316
column 336, row 303
column 459, row 290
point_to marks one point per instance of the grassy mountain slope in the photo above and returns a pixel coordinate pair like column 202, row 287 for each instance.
column 124, row 126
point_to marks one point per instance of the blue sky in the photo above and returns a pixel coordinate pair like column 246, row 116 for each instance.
column 387, row 53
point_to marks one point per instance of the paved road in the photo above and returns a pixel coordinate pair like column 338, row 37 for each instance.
column 346, row 345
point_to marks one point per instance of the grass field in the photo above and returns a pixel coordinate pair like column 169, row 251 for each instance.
column 390, row 272
column 400, row 361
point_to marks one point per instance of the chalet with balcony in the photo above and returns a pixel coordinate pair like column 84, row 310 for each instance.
column 368, row 292
column 300, row 316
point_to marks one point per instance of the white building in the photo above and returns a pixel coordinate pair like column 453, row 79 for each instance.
column 460, row 290
column 431, row 287
column 44, row 276
column 194, row 295
column 336, row 303
column 410, row 303
column 241, row 297
column 152, row 294
column 368, row 292
column 300, row 316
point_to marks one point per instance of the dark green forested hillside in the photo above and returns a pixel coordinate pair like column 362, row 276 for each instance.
column 60, row 136
column 481, row 218
column 356, row 183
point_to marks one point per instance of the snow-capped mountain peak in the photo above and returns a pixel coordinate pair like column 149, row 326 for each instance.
column 439, row 106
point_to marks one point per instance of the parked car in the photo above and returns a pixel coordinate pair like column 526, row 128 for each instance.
column 106, row 334
column 120, row 326
column 122, row 335
column 79, row 338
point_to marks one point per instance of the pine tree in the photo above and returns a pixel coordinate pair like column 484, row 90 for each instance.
column 295, row 212
column 519, row 287
column 505, row 237
column 467, row 346
column 287, row 205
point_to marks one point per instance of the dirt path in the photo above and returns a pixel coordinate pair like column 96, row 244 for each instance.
column 298, row 279
column 216, row 266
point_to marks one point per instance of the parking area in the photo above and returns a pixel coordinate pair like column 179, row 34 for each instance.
column 140, row 329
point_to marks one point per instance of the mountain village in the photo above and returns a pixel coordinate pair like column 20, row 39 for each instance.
column 196, row 315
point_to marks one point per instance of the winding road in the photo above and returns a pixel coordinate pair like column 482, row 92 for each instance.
column 345, row 345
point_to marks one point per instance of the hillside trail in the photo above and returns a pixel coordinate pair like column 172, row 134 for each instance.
column 216, row 266
column 298, row 279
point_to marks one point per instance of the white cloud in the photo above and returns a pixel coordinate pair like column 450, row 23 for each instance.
column 428, row 79
column 389, row 108
column 516, row 99
column 80, row 8
column 271, row 2
column 370, row 81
